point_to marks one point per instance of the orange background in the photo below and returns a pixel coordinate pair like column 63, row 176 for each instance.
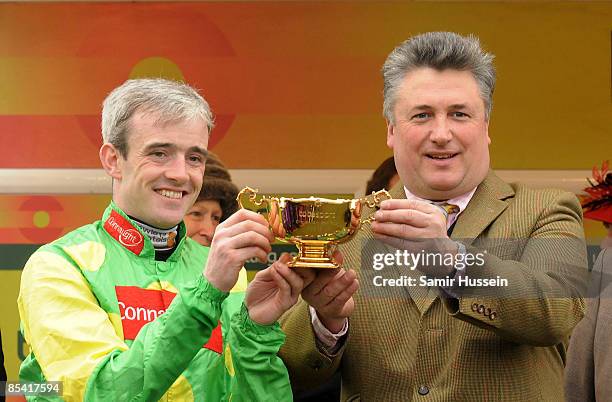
column 297, row 84
column 293, row 85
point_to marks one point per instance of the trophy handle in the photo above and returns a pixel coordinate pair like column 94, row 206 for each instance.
column 268, row 207
column 250, row 194
column 372, row 201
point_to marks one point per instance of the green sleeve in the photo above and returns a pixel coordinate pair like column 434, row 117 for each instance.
column 162, row 350
column 255, row 370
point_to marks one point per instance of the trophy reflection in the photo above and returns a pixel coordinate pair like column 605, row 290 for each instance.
column 315, row 225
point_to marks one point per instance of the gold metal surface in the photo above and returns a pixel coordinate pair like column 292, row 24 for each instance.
column 315, row 225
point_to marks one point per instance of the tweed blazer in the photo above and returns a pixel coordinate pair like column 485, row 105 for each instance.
column 588, row 376
column 409, row 343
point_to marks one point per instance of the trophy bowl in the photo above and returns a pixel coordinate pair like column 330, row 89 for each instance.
column 315, row 225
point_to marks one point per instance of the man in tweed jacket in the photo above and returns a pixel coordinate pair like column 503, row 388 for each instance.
column 432, row 342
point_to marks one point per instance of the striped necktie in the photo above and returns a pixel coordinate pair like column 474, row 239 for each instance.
column 449, row 211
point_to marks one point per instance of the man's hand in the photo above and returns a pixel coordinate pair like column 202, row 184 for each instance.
column 331, row 294
column 273, row 291
column 242, row 236
column 414, row 226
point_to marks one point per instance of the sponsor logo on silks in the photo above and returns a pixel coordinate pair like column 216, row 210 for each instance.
column 138, row 307
column 123, row 231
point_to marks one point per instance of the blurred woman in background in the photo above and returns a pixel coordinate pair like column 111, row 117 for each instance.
column 216, row 202
column 385, row 176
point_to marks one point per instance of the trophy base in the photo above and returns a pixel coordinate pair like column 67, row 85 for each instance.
column 314, row 254
column 304, row 263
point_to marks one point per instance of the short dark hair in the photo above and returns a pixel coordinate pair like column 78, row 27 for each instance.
column 381, row 176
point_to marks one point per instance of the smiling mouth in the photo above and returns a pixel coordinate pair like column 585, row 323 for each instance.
column 440, row 157
column 175, row 195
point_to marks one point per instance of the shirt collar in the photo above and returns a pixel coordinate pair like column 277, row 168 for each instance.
column 461, row 201
column 131, row 236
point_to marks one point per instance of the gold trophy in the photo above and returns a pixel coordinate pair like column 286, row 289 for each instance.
column 315, row 225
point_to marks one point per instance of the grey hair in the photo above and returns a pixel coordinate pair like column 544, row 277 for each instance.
column 440, row 51
column 170, row 101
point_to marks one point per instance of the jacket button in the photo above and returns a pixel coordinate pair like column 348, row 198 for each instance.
column 475, row 307
column 481, row 309
column 492, row 315
column 423, row 390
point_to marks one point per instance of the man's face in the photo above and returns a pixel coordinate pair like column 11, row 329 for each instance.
column 162, row 175
column 440, row 137
column 202, row 219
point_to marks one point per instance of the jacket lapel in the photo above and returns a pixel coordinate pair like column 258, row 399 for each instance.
column 420, row 295
column 488, row 202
